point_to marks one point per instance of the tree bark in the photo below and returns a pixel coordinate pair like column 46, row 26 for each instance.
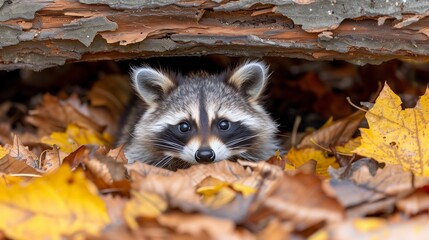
column 37, row 34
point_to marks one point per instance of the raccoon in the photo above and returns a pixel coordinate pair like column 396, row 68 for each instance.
column 181, row 120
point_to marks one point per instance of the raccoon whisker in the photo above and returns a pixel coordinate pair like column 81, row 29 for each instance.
column 165, row 142
column 245, row 147
column 168, row 144
column 247, row 157
column 164, row 161
column 167, row 147
column 240, row 140
column 132, row 135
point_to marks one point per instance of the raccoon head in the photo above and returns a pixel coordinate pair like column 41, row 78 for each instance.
column 202, row 118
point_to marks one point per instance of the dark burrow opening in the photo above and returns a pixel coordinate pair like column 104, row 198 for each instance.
column 314, row 91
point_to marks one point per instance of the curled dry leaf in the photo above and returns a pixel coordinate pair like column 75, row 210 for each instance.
column 359, row 171
column 118, row 155
column 64, row 199
column 11, row 165
column 397, row 136
column 21, row 152
column 106, row 168
column 54, row 115
column 301, row 200
column 106, row 173
column 334, row 133
column 111, row 91
column 364, row 198
column 51, row 159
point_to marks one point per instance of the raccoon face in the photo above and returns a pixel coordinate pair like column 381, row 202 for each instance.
column 202, row 118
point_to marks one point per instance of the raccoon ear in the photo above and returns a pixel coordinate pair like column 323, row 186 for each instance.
column 251, row 78
column 151, row 85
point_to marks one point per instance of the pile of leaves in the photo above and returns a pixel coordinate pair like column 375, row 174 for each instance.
column 65, row 181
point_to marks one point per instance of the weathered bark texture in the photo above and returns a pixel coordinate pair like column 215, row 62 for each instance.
column 37, row 34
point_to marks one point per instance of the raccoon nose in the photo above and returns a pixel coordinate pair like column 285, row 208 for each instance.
column 205, row 155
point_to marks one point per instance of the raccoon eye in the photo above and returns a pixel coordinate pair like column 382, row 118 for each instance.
column 224, row 124
column 184, row 127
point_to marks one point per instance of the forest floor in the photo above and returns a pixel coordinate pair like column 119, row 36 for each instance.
column 354, row 163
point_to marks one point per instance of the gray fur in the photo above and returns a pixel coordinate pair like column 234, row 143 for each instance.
column 223, row 93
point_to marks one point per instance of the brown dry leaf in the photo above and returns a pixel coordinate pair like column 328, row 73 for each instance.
column 180, row 188
column 54, row 115
column 389, row 183
column 276, row 230
column 21, row 152
column 301, row 200
column 77, row 157
column 137, row 170
column 52, row 207
column 360, row 171
column 111, row 91
column 11, row 165
column 397, row 136
column 224, row 170
column 417, row 202
column 203, row 227
column 106, row 168
column 118, row 155
column 336, row 133
column 105, row 172
column 52, row 159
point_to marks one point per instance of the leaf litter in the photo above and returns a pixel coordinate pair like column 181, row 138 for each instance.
column 68, row 182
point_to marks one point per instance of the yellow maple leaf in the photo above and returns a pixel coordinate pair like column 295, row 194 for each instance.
column 75, row 136
column 298, row 157
column 143, row 204
column 397, row 136
column 52, row 207
column 349, row 147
